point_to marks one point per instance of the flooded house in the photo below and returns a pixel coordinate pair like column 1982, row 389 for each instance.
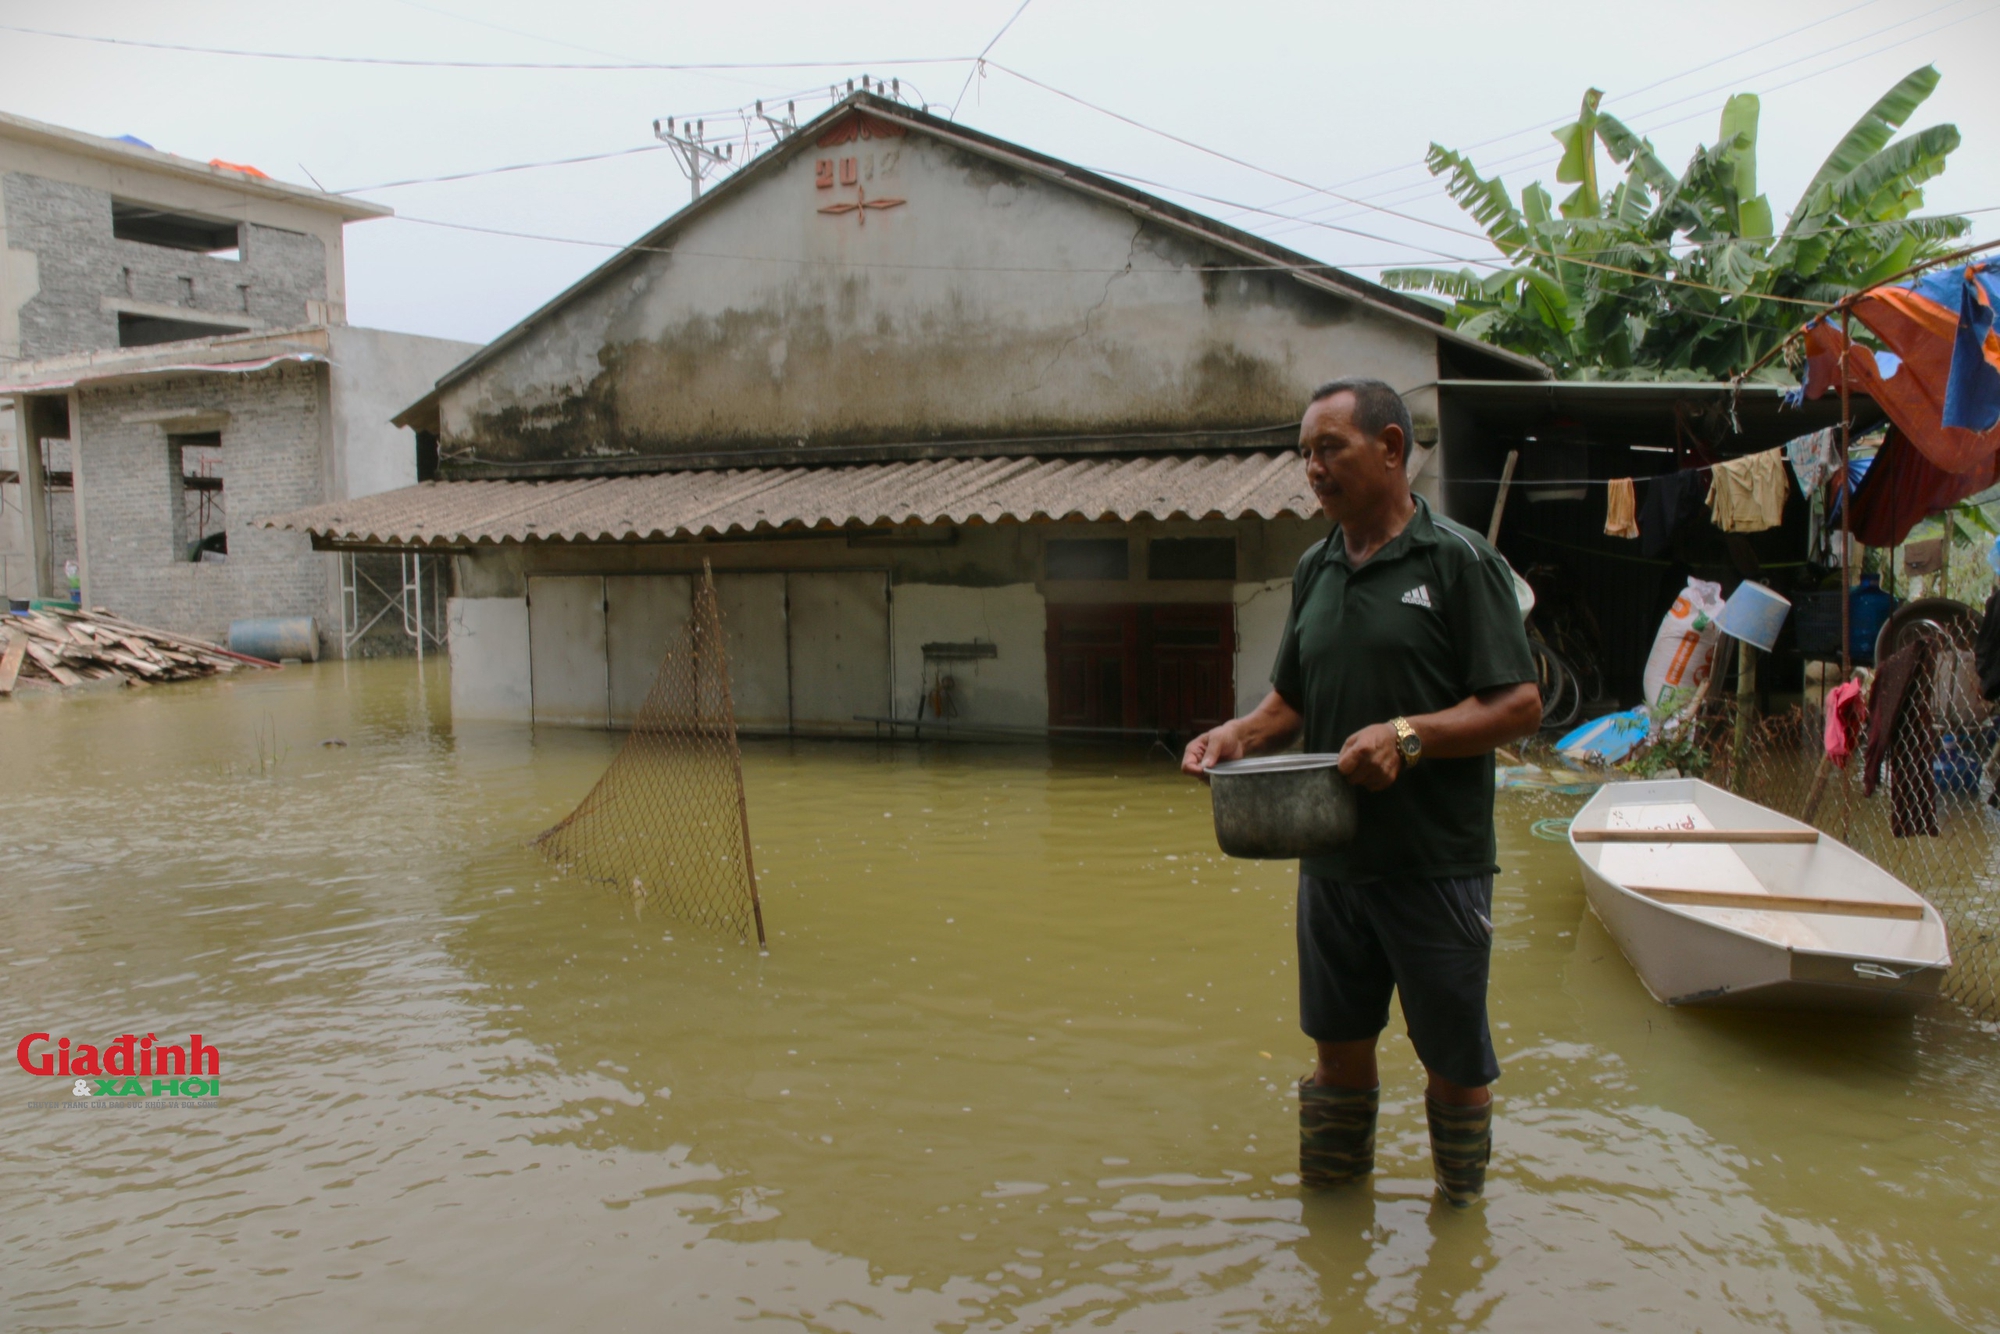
column 175, row 360
column 969, row 436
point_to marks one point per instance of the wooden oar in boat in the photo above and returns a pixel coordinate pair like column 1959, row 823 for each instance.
column 1726, row 898
column 1695, row 835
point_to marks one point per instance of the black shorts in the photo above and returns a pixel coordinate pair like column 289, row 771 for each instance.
column 1430, row 941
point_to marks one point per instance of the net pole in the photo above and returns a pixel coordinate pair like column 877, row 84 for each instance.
column 735, row 756
column 1846, row 505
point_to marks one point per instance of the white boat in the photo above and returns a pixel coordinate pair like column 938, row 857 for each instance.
column 1716, row 900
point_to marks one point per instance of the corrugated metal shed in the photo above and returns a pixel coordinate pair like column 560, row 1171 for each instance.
column 666, row 506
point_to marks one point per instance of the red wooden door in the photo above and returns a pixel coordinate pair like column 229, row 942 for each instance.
column 1191, row 654
column 1168, row 666
column 1093, row 666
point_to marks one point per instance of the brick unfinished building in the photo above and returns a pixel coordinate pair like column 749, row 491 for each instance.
column 175, row 361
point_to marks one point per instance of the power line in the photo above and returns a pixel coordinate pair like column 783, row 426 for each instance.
column 1275, row 266
column 412, row 63
column 1406, row 217
column 1817, row 22
column 500, row 171
column 1315, row 222
column 1420, row 189
column 980, row 59
column 1368, row 205
column 501, row 27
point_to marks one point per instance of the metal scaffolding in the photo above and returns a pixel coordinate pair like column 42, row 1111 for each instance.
column 363, row 595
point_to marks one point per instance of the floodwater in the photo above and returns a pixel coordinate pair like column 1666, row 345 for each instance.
column 1020, row 1057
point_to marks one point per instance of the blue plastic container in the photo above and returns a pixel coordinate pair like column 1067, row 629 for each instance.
column 1956, row 768
column 1867, row 608
column 1755, row 614
column 1609, row 739
column 275, row 638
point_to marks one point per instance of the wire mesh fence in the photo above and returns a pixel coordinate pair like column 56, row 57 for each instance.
column 1916, row 796
column 667, row 825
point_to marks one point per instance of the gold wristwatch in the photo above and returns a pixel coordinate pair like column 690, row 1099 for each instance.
column 1408, row 743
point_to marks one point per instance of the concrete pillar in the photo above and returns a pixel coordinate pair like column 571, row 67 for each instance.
column 30, row 425
column 77, row 492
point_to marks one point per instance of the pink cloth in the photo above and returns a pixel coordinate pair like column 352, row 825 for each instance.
column 1846, row 714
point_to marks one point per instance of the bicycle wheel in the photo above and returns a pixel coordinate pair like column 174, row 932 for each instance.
column 1562, row 696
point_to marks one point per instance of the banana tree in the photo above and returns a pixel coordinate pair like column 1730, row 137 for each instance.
column 1687, row 276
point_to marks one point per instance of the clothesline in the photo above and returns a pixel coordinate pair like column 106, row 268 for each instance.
column 1861, row 441
column 1698, row 566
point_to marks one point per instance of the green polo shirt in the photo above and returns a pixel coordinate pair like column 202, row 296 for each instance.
column 1425, row 622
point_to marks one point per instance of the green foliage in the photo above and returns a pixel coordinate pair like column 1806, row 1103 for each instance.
column 1677, row 747
column 1687, row 277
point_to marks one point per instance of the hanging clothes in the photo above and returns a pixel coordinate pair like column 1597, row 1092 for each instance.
column 1814, row 458
column 1901, row 489
column 1621, row 508
column 1749, row 493
column 1846, row 715
column 1886, row 698
column 1672, row 499
column 1900, row 719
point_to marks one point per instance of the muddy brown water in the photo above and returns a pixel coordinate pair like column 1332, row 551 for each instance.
column 1020, row 1057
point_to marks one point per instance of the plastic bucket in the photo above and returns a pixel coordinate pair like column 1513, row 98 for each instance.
column 1754, row 614
column 275, row 638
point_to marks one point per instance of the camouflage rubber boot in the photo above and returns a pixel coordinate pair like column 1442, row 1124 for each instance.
column 1461, row 1144
column 1336, row 1134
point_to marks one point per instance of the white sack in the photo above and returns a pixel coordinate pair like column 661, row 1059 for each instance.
column 1684, row 649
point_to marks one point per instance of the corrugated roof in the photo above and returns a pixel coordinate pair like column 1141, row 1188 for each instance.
column 666, row 506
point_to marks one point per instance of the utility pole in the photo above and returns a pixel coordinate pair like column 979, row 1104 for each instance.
column 697, row 159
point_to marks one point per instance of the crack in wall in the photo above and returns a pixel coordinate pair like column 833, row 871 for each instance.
column 1131, row 249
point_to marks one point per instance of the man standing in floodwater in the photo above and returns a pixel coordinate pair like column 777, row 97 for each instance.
column 1404, row 652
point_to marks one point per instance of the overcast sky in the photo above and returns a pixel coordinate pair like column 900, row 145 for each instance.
column 1340, row 96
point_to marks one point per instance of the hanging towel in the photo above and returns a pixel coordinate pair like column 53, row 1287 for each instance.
column 1846, row 715
column 1749, row 493
column 1814, row 458
column 1671, row 500
column 1621, row 508
column 1886, row 698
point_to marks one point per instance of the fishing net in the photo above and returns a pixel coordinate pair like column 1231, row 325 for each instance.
column 667, row 824
column 1932, row 818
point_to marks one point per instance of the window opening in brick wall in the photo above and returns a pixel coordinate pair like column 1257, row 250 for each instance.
column 1087, row 558
column 201, row 529
column 1191, row 558
column 146, row 330
column 218, row 238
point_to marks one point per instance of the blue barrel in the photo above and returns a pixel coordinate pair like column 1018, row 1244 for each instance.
column 276, row 638
column 1867, row 608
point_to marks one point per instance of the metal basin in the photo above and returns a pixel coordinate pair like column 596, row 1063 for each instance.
column 1278, row 807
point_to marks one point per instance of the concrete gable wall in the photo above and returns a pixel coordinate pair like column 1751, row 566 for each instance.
column 987, row 303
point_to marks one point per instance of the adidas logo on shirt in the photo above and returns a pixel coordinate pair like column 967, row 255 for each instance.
column 1420, row 596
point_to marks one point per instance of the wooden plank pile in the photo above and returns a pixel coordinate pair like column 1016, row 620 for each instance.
column 71, row 648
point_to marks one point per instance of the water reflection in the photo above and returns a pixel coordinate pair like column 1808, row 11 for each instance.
column 1021, row 1054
